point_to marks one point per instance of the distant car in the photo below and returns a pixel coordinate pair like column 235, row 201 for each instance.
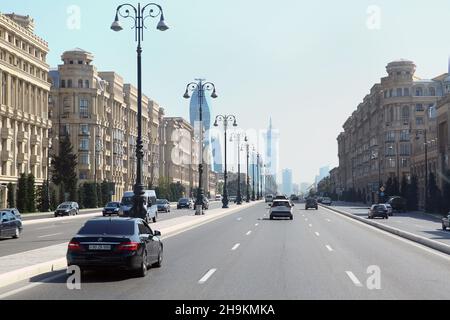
column 218, row 197
column 269, row 198
column 294, row 197
column 281, row 209
column 232, row 199
column 111, row 208
column 311, row 203
column 185, row 203
column 319, row 199
column 10, row 225
column 205, row 203
column 281, row 197
column 116, row 243
column 378, row 210
column 397, row 203
column 163, row 205
column 446, row 222
column 327, row 201
column 390, row 210
column 67, row 209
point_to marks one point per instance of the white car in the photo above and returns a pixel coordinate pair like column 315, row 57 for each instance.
column 327, row 201
column 281, row 209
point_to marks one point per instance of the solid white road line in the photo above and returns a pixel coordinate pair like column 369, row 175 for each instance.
column 30, row 286
column 354, row 279
column 235, row 246
column 317, row 234
column 207, row 276
column 50, row 235
column 249, row 233
column 329, row 248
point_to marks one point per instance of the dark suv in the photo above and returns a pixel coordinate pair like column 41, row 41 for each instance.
column 311, row 203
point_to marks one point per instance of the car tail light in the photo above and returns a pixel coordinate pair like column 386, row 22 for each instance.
column 74, row 246
column 128, row 246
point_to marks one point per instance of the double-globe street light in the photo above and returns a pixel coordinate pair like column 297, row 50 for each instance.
column 139, row 15
column 253, row 175
column 225, row 119
column 201, row 87
column 247, row 146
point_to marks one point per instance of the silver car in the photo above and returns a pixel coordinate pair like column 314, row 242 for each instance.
column 281, row 209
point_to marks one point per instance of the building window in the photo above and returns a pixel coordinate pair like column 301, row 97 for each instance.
column 84, row 108
column 404, row 163
column 80, row 62
column 86, row 84
column 404, row 135
column 432, row 91
column 80, row 83
column 405, row 113
column 390, row 150
column 83, row 175
column 69, row 83
column 84, row 144
column 419, row 107
column 65, row 129
column 419, row 121
column 71, row 62
column 391, row 163
column 84, row 129
column 419, row 92
column 405, row 149
column 391, row 93
column 399, row 92
column 406, row 92
column 84, row 158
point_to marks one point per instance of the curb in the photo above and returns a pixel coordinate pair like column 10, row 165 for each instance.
column 436, row 245
column 12, row 277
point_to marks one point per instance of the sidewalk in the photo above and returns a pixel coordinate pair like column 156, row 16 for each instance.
column 22, row 266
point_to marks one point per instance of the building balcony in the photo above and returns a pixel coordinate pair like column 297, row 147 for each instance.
column 35, row 140
column 23, row 136
column 35, row 160
column 7, row 133
column 125, row 171
column 108, row 138
column 84, row 166
column 22, row 157
column 6, row 155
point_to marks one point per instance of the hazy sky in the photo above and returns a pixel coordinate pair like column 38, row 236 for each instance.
column 305, row 63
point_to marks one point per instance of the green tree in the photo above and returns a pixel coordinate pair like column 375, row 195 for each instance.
column 90, row 195
column 64, row 169
column 31, row 194
column 105, row 193
column 404, row 189
column 390, row 188
column 22, row 193
column 11, row 200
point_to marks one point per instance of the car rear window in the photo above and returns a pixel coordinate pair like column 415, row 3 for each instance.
column 281, row 204
column 110, row 227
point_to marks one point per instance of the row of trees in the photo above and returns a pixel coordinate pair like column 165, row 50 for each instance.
column 170, row 191
column 438, row 201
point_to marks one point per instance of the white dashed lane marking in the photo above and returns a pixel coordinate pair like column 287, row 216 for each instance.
column 354, row 279
column 207, row 276
column 235, row 246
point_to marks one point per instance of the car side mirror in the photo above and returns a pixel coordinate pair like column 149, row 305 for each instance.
column 157, row 233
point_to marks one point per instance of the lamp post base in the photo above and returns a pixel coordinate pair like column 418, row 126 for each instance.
column 199, row 210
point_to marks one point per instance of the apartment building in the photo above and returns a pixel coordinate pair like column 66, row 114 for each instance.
column 98, row 111
column 386, row 135
column 24, row 90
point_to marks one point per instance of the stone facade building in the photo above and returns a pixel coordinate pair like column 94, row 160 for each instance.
column 98, row 111
column 24, row 90
column 385, row 135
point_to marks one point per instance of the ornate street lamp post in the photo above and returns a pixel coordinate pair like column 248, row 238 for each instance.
column 247, row 145
column 237, row 137
column 201, row 88
column 139, row 15
column 258, row 174
column 253, row 176
column 225, row 119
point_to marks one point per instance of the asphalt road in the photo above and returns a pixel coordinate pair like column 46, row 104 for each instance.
column 318, row 255
column 60, row 230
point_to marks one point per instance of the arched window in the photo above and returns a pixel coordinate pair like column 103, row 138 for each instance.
column 432, row 91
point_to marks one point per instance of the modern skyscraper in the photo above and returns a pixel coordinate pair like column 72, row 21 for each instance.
column 287, row 184
column 272, row 156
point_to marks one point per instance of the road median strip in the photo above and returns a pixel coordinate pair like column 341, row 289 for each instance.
column 433, row 244
column 18, row 267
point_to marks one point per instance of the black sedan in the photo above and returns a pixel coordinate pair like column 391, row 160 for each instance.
column 163, row 205
column 116, row 243
column 10, row 225
column 111, row 208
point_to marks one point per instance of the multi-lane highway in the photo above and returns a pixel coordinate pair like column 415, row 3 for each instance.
column 59, row 230
column 318, row 255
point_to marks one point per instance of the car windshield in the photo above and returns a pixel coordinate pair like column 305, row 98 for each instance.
column 64, row 206
column 108, row 227
column 161, row 201
column 113, row 205
column 127, row 201
column 281, row 204
column 184, row 200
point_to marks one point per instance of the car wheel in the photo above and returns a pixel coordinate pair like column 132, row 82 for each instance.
column 271, row 217
column 158, row 263
column 142, row 271
column 56, row 216
column 16, row 233
column 154, row 219
column 292, row 217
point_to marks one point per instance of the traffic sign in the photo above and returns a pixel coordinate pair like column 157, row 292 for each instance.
column 382, row 189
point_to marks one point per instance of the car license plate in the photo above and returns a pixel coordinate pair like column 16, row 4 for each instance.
column 102, row 247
